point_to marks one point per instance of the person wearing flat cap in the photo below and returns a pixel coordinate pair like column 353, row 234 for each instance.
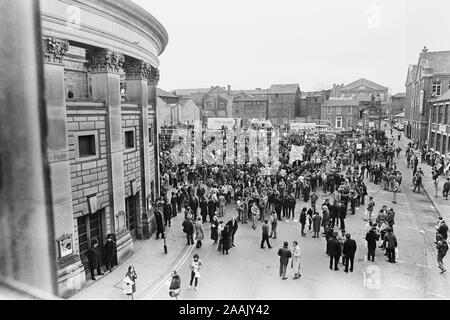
column 348, row 251
column 334, row 251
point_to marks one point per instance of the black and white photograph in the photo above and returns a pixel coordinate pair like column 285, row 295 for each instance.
column 187, row 152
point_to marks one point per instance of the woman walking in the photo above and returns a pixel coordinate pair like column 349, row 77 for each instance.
column 199, row 232
column 175, row 284
column 129, row 281
column 195, row 267
column 214, row 229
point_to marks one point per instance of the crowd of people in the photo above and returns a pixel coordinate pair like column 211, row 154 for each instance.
column 339, row 169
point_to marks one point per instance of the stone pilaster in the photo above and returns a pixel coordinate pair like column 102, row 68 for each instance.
column 70, row 269
column 104, row 66
column 153, row 80
column 137, row 72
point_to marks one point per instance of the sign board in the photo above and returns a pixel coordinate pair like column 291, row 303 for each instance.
column 65, row 245
column 371, row 124
column 359, row 146
column 303, row 126
column 93, row 204
column 218, row 123
column 296, row 154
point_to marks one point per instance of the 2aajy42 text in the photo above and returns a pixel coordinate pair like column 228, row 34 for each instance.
column 242, row 310
column 208, row 146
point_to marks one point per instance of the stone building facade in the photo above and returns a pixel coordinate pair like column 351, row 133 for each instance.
column 100, row 80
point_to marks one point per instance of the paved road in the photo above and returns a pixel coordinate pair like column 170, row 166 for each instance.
column 249, row 272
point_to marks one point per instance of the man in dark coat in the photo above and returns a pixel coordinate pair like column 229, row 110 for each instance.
column 211, row 208
column 390, row 243
column 232, row 228
column 167, row 211
column 265, row 234
column 188, row 228
column 94, row 259
column 159, row 223
column 372, row 237
column 334, row 251
column 285, row 254
column 173, row 202
column 348, row 251
column 110, row 250
column 204, row 209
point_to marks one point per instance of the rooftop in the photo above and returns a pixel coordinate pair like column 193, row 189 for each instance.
column 341, row 103
column 284, row 88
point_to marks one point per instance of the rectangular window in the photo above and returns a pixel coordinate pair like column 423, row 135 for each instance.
column 441, row 114
column 330, row 121
column 86, row 146
column 446, row 113
column 329, row 110
column 338, row 122
column 434, row 114
column 349, row 110
column 129, row 139
column 349, row 122
column 338, row 110
column 437, row 88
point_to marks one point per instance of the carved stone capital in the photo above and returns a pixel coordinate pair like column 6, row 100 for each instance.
column 104, row 60
column 153, row 77
column 137, row 69
column 54, row 49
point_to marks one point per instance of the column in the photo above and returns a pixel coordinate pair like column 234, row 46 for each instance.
column 105, row 66
column 70, row 269
column 137, row 72
column 153, row 80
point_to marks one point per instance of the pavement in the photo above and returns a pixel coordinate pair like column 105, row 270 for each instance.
column 442, row 206
column 249, row 272
column 152, row 266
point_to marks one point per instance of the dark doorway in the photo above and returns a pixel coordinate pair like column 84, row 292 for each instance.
column 90, row 228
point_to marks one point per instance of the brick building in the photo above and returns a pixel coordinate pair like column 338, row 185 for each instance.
column 250, row 107
column 341, row 113
column 396, row 104
column 427, row 80
column 310, row 105
column 283, row 100
column 440, row 124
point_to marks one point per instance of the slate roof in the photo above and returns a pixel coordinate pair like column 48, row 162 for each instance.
column 165, row 94
column 284, row 88
column 439, row 61
column 363, row 82
column 444, row 97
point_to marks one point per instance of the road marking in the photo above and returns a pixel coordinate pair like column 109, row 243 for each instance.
column 401, row 287
column 423, row 266
column 435, row 294
column 164, row 280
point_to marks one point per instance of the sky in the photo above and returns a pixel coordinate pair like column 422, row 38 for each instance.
column 252, row 44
